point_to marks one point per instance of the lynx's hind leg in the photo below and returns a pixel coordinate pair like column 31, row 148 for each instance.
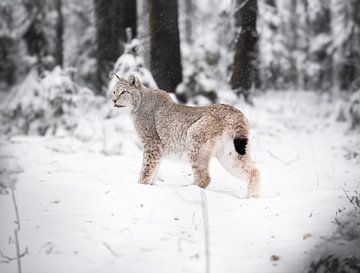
column 237, row 161
column 199, row 159
column 200, row 144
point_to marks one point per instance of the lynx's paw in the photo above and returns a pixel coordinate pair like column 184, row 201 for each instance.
column 145, row 181
column 254, row 184
column 202, row 184
column 253, row 194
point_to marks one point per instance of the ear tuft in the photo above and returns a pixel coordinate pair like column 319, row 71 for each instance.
column 132, row 80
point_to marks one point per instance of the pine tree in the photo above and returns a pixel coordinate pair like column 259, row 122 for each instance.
column 59, row 50
column 245, row 50
column 318, row 68
column 35, row 35
column 112, row 19
column 165, row 44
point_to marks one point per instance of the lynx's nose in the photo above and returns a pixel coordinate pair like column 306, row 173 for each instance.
column 114, row 100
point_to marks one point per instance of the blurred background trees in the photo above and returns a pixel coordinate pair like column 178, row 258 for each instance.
column 112, row 18
column 195, row 48
column 243, row 76
column 165, row 44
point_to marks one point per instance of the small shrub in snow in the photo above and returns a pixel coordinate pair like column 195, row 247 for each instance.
column 341, row 252
column 44, row 105
column 350, row 111
column 354, row 110
column 205, row 72
column 131, row 63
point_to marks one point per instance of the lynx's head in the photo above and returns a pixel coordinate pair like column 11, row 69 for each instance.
column 127, row 93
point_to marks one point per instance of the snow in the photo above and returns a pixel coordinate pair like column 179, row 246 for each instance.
column 81, row 209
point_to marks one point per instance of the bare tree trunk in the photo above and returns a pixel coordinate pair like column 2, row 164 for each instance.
column 165, row 44
column 292, row 44
column 34, row 36
column 349, row 75
column 112, row 17
column 129, row 16
column 144, row 30
column 245, row 49
column 321, row 25
column 189, row 11
column 59, row 34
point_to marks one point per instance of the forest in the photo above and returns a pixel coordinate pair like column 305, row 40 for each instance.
column 69, row 160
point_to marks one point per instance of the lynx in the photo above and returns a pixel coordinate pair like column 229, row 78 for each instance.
column 166, row 127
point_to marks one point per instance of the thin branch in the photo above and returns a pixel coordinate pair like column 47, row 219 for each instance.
column 204, row 208
column 111, row 250
column 243, row 4
column 16, row 231
column 8, row 259
column 16, row 209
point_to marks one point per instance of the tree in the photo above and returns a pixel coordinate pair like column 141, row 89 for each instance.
column 346, row 38
column 35, row 35
column 165, row 60
column 318, row 68
column 59, row 34
column 291, row 32
column 112, row 17
column 270, row 50
column 8, row 53
column 245, row 48
column 189, row 13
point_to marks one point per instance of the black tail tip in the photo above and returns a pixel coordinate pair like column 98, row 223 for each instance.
column 240, row 145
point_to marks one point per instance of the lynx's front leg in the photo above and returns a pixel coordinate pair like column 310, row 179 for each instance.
column 151, row 160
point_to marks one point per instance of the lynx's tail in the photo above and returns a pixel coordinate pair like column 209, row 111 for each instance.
column 240, row 145
column 241, row 137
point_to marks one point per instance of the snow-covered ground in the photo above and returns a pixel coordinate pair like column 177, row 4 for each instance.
column 82, row 211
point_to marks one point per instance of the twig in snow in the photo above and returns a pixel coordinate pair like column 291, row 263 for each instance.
column 354, row 200
column 206, row 229
column 16, row 231
column 111, row 250
column 8, row 259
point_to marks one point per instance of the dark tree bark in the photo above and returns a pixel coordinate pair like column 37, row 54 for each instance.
column 292, row 37
column 129, row 15
column 349, row 70
column 34, row 35
column 245, row 50
column 165, row 45
column 189, row 11
column 59, row 34
column 321, row 25
column 112, row 17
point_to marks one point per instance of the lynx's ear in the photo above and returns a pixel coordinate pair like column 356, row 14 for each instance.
column 134, row 81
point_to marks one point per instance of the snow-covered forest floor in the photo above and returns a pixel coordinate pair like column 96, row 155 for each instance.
column 83, row 211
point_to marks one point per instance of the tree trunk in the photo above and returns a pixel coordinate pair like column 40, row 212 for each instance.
column 189, row 11
column 165, row 45
column 34, row 35
column 128, row 19
column 292, row 38
column 245, row 49
column 112, row 17
column 350, row 69
column 59, row 34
